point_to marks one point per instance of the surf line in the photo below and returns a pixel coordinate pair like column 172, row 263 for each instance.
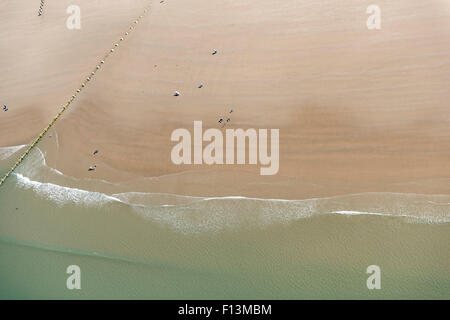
column 72, row 98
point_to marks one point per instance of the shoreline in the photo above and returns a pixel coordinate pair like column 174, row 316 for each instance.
column 51, row 186
column 356, row 112
column 364, row 172
column 379, row 125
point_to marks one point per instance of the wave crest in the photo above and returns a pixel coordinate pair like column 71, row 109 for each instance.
column 190, row 214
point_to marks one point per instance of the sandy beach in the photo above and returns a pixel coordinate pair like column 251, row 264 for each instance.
column 358, row 110
column 363, row 116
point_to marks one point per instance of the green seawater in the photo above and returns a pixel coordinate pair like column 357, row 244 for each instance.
column 319, row 257
column 154, row 252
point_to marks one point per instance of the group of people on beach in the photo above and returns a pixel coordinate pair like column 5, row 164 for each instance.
column 222, row 120
column 94, row 166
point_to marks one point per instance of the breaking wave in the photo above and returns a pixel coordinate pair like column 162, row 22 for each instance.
column 61, row 195
column 190, row 214
column 7, row 152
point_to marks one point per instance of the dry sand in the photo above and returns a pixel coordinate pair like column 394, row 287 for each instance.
column 358, row 110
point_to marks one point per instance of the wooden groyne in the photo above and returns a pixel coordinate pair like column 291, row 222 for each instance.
column 41, row 8
column 73, row 97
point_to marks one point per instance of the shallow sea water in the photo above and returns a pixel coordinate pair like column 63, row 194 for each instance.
column 162, row 246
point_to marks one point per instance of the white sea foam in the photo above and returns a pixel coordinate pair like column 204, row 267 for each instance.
column 193, row 214
column 63, row 195
column 188, row 214
column 43, row 164
column 35, row 165
column 410, row 217
column 356, row 213
column 7, row 152
column 207, row 214
column 197, row 214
